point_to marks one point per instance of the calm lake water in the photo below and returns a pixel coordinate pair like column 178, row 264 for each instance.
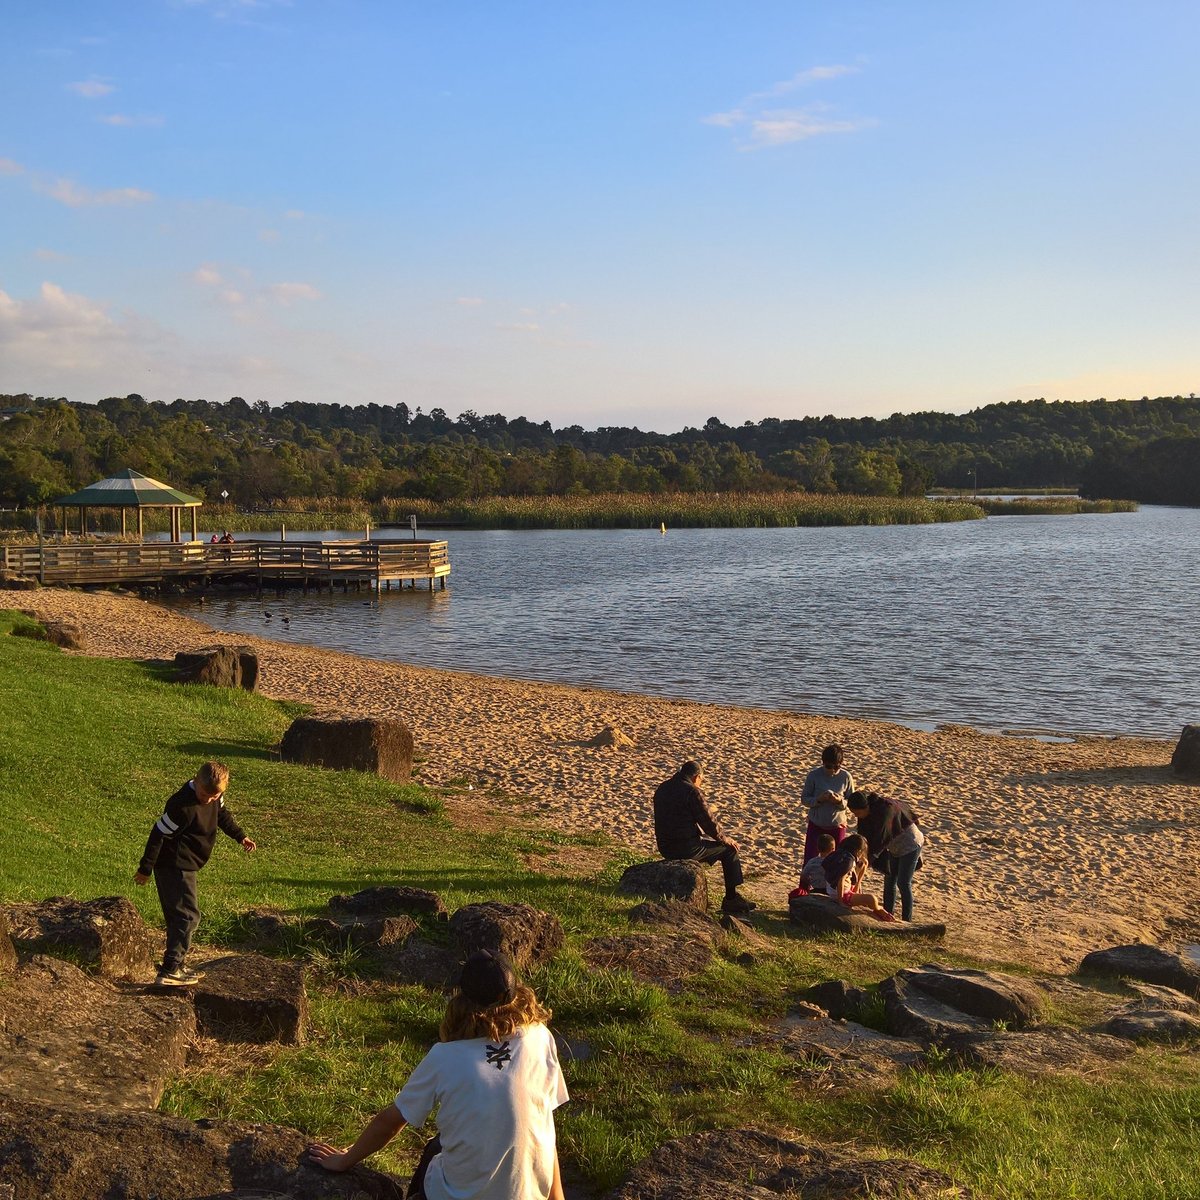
column 1032, row 624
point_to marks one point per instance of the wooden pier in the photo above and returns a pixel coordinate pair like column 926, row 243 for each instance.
column 268, row 564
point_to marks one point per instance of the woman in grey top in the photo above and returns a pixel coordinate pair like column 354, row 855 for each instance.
column 824, row 795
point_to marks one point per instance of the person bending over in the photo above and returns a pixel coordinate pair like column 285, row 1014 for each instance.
column 681, row 821
column 496, row 1081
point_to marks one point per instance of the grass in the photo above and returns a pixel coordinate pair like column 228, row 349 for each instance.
column 1054, row 506
column 92, row 748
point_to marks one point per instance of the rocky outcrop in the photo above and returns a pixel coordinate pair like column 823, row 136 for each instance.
column 747, row 1164
column 1186, row 758
column 823, row 914
column 249, row 998
column 525, row 935
column 835, row 997
column 847, row 1055
column 73, row 1154
column 70, row 1038
column 371, row 744
column 1158, row 1014
column 390, row 901
column 107, row 934
column 1047, row 1050
column 218, row 666
column 1152, row 964
column 667, row 879
column 661, row 958
column 934, row 1004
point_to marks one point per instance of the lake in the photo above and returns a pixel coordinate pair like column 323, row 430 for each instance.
column 1079, row 624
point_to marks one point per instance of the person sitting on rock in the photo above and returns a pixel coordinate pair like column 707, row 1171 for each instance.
column 681, row 819
column 495, row 1080
column 812, row 874
column 844, row 871
column 894, row 840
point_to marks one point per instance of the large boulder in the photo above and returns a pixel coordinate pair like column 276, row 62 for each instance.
column 1152, row 964
column 1186, row 759
column 372, row 744
column 249, row 998
column 835, row 997
column 844, row 1054
column 107, row 933
column 1141, row 1023
column 65, row 1153
column 667, row 879
column 218, row 666
column 823, row 914
column 70, row 1038
column 998, row 999
column 913, row 1013
column 720, row 1165
column 525, row 935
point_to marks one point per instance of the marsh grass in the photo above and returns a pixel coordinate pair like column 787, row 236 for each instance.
column 91, row 748
column 1054, row 506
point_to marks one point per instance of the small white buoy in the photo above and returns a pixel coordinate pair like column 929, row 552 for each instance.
column 663, row 527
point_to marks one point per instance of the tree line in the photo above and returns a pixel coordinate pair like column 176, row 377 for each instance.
column 261, row 454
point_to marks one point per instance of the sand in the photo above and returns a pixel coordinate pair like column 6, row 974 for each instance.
column 1038, row 852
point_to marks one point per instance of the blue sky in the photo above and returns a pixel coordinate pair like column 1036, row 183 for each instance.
column 600, row 214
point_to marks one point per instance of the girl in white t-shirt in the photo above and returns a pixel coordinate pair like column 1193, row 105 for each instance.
column 496, row 1078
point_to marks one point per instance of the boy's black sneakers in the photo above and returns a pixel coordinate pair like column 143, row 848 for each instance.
column 737, row 905
column 179, row 977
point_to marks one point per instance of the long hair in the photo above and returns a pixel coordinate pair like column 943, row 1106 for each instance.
column 465, row 1019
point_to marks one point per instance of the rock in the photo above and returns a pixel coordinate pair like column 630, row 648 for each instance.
column 1144, row 1023
column 50, row 1151
column 611, row 736
column 1047, row 1050
column 524, row 934
column 1151, row 964
column 18, row 583
column 390, row 901
column 421, row 962
column 371, row 744
column 835, row 997
column 219, row 666
column 1186, row 759
column 846, row 1054
column 914, row 1013
column 823, row 914
column 1154, row 996
column 8, row 952
column 365, row 933
column 676, row 917
column 717, row 1165
column 59, row 633
column 654, row 958
column 988, row 995
column 107, row 933
column 70, row 1038
column 667, row 879
column 249, row 998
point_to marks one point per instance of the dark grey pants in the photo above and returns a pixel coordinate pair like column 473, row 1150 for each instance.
column 710, row 852
column 177, row 895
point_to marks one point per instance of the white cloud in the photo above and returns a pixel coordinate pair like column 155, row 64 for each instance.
column 74, row 195
column 469, row 301
column 519, row 326
column 270, row 236
column 69, row 329
column 91, row 89
column 9, row 167
column 763, row 126
column 123, row 121
column 294, row 214
column 207, row 275
column 288, row 293
column 44, row 255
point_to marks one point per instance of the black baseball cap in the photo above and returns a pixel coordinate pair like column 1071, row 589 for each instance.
column 487, row 978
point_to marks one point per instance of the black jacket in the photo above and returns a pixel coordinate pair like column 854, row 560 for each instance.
column 884, row 820
column 680, row 817
column 185, row 834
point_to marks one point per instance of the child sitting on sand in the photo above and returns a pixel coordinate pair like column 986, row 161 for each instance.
column 496, row 1078
column 844, row 871
column 812, row 874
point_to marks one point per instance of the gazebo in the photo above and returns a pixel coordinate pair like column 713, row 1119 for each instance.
column 131, row 489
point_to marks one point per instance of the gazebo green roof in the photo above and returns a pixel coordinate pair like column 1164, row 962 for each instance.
column 129, row 489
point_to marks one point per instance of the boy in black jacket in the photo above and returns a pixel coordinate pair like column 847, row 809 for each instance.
column 179, row 845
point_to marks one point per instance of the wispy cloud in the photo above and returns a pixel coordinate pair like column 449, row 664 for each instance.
column 45, row 255
column 9, row 167
column 75, row 195
column 761, row 123
column 289, row 293
column 91, row 89
column 469, row 301
column 237, row 289
column 124, row 121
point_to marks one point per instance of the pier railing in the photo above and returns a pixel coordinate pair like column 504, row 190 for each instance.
column 117, row 562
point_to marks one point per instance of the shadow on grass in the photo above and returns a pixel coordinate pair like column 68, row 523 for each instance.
column 227, row 750
column 461, row 880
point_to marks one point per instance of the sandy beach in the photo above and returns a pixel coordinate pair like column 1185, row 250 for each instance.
column 1038, row 852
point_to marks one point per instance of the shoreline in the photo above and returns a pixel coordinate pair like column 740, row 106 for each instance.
column 1039, row 851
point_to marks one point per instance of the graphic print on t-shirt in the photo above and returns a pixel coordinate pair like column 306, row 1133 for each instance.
column 499, row 1055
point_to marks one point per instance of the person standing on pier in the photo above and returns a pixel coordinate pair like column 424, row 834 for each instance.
column 681, row 818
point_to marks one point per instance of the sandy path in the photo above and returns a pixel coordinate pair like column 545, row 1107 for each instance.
column 1038, row 852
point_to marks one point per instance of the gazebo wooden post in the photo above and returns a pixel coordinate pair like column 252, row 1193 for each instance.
column 195, row 534
column 141, row 537
column 83, row 520
column 122, row 520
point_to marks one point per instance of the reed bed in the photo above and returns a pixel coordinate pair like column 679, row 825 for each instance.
column 736, row 510
column 1054, row 507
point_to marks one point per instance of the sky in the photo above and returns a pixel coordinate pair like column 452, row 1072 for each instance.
column 601, row 213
